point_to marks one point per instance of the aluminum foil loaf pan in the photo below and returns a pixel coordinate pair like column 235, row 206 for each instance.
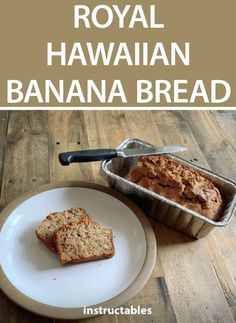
column 163, row 209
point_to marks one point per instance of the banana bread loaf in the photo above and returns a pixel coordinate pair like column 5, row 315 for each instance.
column 179, row 183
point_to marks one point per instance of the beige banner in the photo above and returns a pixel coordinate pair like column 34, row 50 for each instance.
column 28, row 26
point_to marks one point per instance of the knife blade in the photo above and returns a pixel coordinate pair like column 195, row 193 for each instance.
column 136, row 152
column 83, row 156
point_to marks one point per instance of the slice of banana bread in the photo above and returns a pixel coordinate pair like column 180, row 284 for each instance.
column 82, row 242
column 47, row 228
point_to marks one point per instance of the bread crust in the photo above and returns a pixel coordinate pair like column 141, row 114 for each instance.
column 179, row 183
column 83, row 259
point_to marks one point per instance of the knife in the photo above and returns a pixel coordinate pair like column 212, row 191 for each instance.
column 83, row 156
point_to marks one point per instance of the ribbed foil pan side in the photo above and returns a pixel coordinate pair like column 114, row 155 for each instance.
column 162, row 209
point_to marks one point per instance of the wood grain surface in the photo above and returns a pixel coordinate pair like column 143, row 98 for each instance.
column 193, row 280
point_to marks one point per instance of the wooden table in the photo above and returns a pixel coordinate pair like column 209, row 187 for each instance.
column 193, row 280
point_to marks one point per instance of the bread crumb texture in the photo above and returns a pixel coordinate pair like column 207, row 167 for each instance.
column 54, row 221
column 82, row 242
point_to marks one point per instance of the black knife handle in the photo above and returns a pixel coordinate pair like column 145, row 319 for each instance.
column 83, row 156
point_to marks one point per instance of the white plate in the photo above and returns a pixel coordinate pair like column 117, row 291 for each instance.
column 36, row 273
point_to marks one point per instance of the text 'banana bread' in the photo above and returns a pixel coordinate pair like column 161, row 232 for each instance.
column 179, row 183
